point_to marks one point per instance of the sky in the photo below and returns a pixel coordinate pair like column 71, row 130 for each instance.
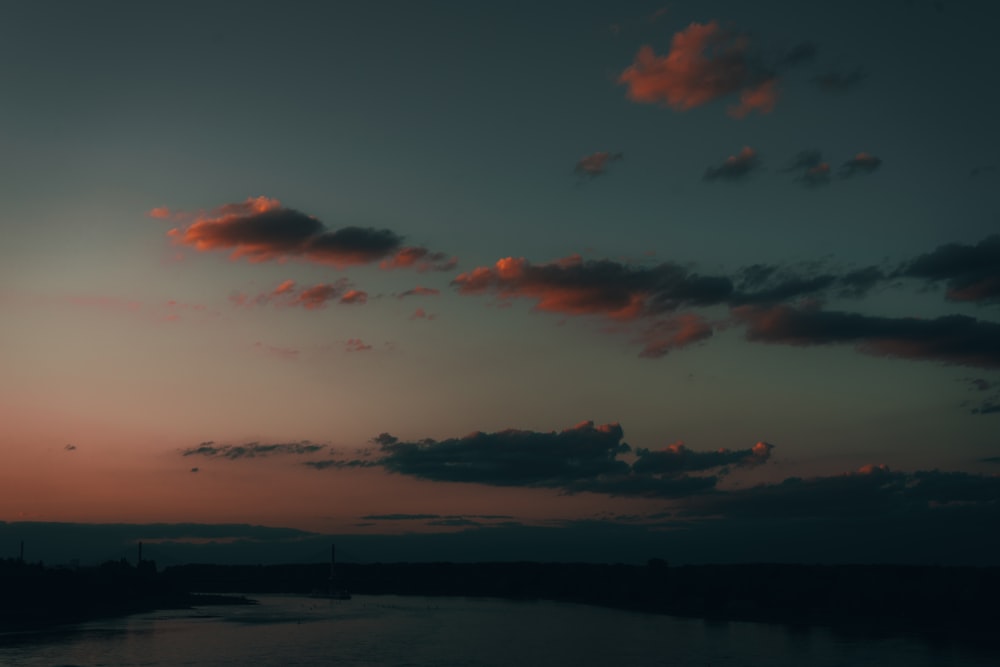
column 707, row 281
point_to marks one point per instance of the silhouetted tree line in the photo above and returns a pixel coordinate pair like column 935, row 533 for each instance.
column 884, row 597
column 32, row 594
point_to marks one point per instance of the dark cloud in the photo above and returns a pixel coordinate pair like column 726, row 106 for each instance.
column 596, row 164
column 872, row 491
column 512, row 457
column 810, row 167
column 990, row 459
column 839, row 82
column 971, row 272
column 252, row 450
column 862, row 163
column 261, row 229
column 399, row 517
column 802, row 52
column 454, row 522
column 954, row 339
column 70, row 448
column 770, row 283
column 987, row 407
column 585, row 458
column 195, row 469
column 980, row 384
column 339, row 464
column 419, row 291
column 677, row 458
column 735, row 167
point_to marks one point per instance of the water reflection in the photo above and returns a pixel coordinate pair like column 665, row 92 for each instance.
column 441, row 632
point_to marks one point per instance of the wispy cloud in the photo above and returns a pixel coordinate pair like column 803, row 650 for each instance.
column 252, row 450
column 596, row 164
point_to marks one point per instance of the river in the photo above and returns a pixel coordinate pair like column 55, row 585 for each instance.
column 454, row 632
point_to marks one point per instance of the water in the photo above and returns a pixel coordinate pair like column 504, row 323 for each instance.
column 453, row 632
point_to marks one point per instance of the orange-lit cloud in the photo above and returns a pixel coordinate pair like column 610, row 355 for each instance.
column 261, row 229
column 420, row 259
column 761, row 98
column 596, row 164
column 289, row 294
column 705, row 62
column 665, row 335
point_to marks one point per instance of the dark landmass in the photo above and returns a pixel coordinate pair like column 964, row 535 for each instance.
column 935, row 602
column 34, row 596
column 947, row 603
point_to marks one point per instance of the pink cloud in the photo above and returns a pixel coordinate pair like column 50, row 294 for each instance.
column 564, row 286
column 674, row 333
column 356, row 345
column 761, row 98
column 355, row 296
column 704, row 63
column 279, row 352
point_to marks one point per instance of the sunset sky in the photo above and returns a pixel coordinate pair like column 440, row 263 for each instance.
column 706, row 280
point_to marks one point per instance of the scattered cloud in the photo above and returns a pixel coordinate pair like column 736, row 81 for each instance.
column 839, row 82
column 862, row 163
column 195, row 469
column 982, row 169
column 420, row 259
column 802, row 52
column 596, row 164
column 315, row 297
column 953, row 339
column 252, row 450
column 760, row 98
column 810, row 167
column 735, row 167
column 705, row 62
column 275, row 351
column 262, row 229
column 70, row 448
column 356, row 345
column 421, row 314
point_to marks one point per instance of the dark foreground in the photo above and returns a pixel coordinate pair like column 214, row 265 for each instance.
column 32, row 595
column 945, row 602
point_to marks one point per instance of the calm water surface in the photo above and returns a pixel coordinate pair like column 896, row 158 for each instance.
column 449, row 632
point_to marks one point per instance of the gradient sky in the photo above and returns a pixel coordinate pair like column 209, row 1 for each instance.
column 707, row 270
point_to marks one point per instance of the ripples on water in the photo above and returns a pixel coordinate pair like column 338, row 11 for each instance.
column 452, row 632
